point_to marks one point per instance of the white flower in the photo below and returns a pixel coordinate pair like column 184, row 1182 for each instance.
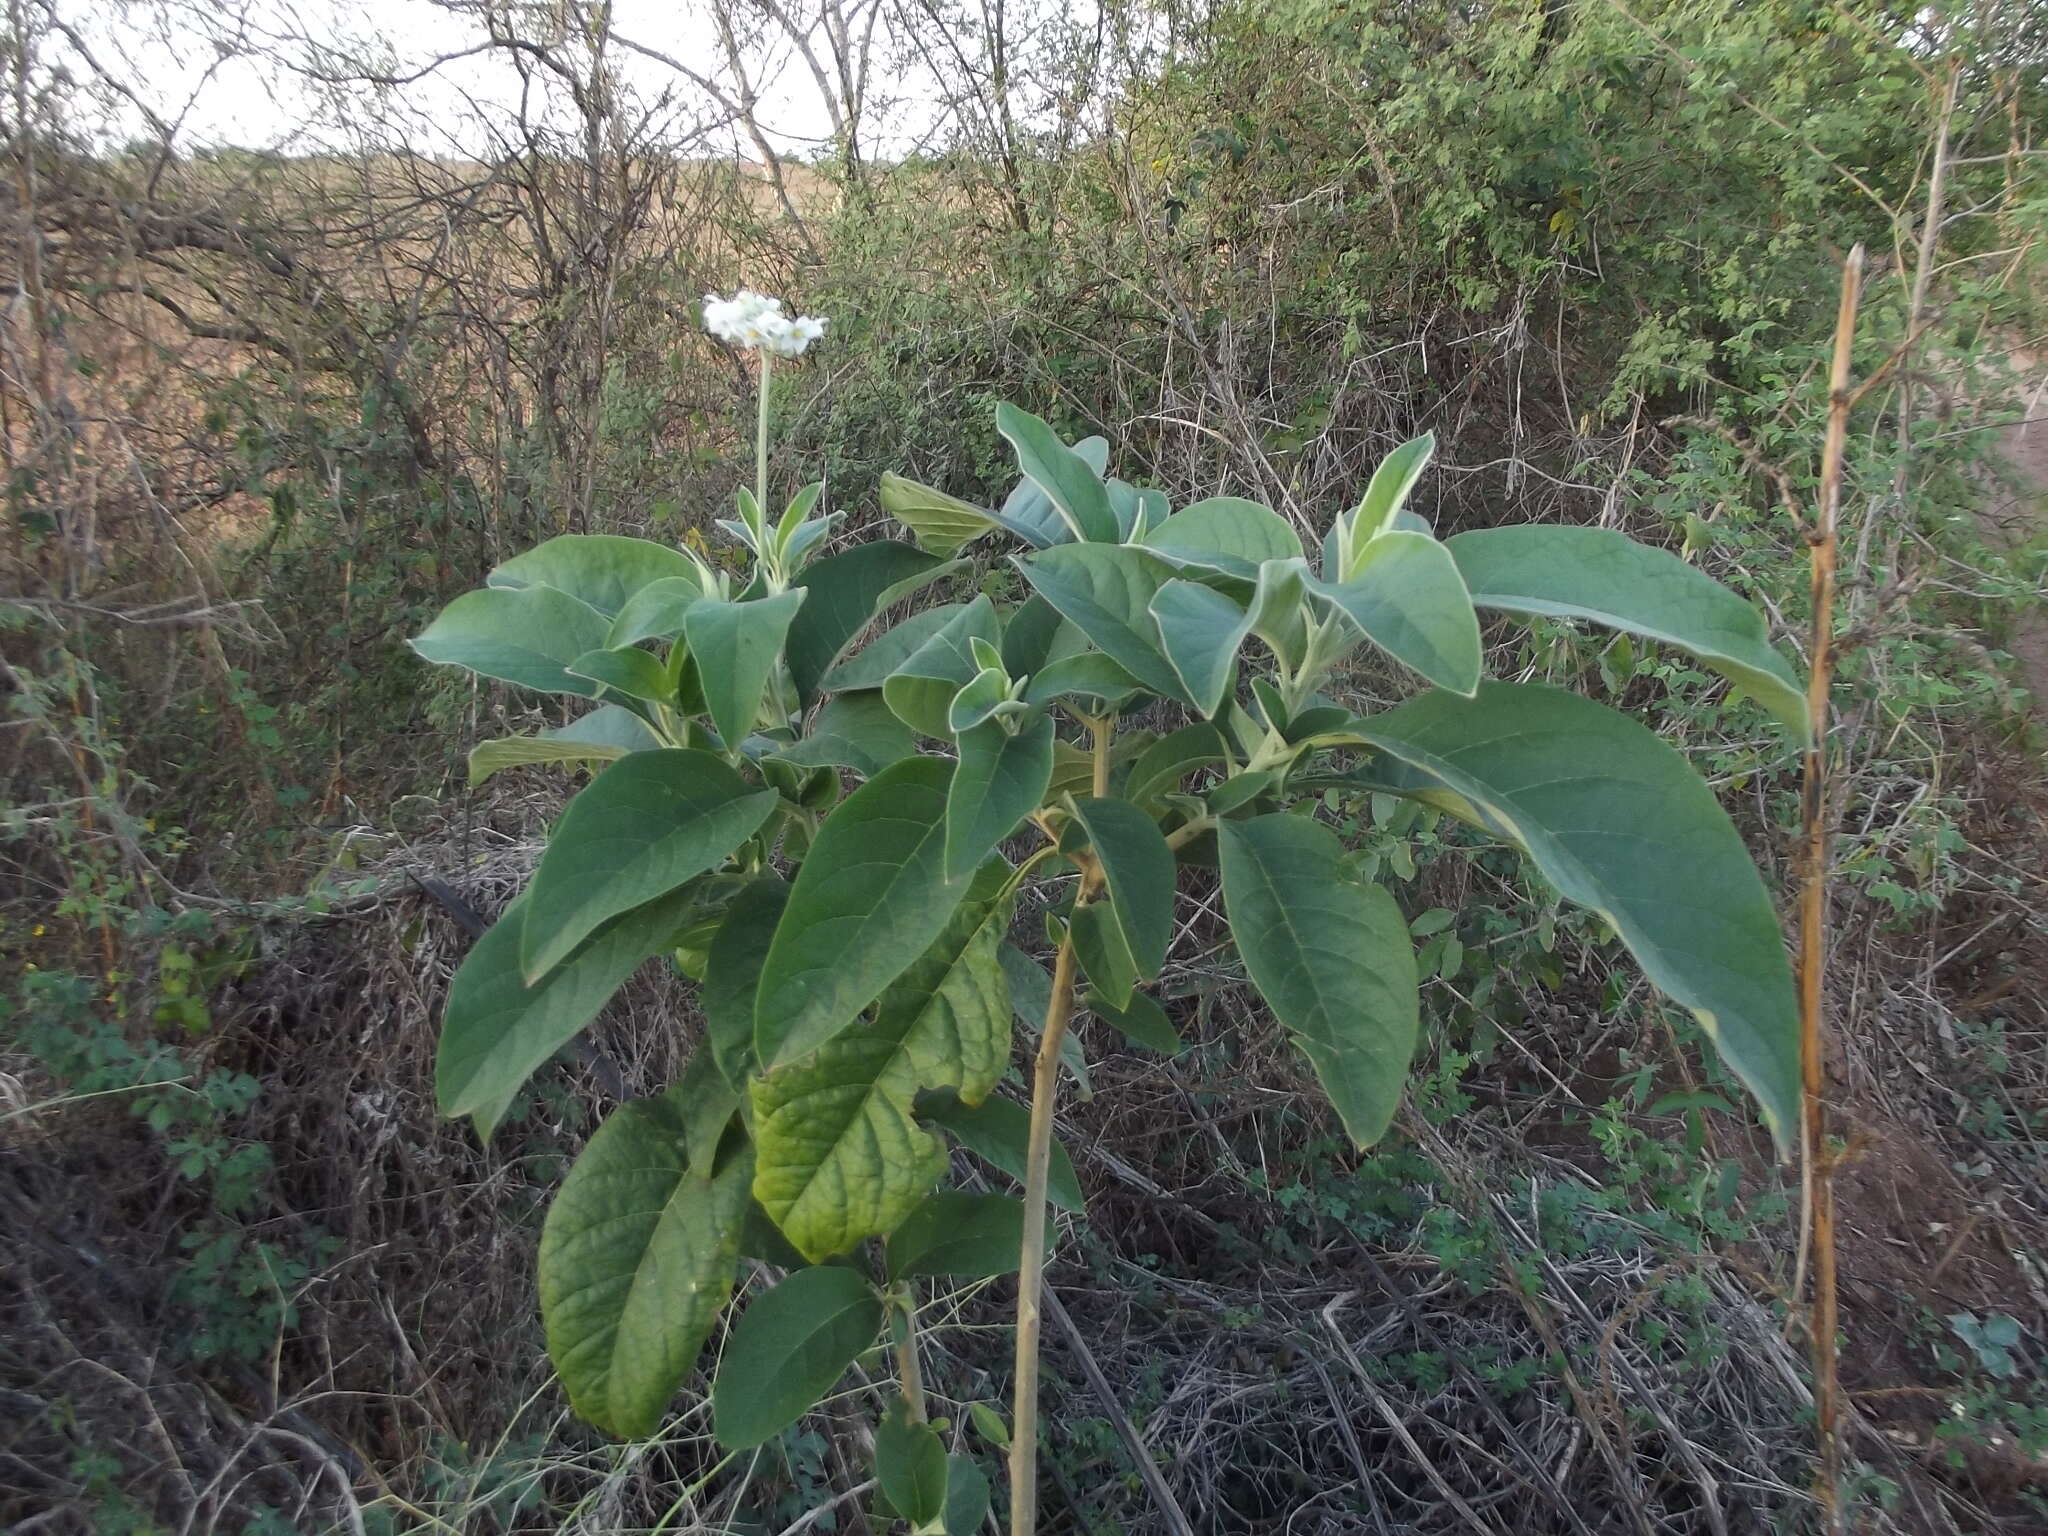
column 756, row 322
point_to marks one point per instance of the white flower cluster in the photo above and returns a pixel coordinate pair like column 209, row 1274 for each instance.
column 755, row 321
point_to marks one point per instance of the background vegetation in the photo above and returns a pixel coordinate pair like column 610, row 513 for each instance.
column 265, row 411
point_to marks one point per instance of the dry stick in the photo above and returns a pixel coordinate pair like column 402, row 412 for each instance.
column 1398, row 1425
column 1045, row 1082
column 1059, row 1013
column 1819, row 1171
column 1148, row 1470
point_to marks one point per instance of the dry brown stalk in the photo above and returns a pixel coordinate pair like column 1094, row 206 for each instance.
column 1819, row 1170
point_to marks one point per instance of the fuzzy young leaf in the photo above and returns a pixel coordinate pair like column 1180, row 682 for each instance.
column 1330, row 956
column 495, row 1030
column 1384, row 498
column 527, row 636
column 788, row 1350
column 1001, row 780
column 871, row 897
column 1280, row 609
column 1068, row 481
column 736, row 646
column 922, row 688
column 645, row 826
column 1618, row 821
column 1603, row 575
column 637, row 1258
column 1408, row 599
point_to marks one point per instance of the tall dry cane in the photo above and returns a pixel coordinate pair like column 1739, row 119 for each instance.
column 1818, row 1161
column 1045, row 1084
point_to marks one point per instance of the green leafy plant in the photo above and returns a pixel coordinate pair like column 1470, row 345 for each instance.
column 853, row 948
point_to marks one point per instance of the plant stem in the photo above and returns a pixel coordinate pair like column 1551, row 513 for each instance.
column 1059, row 1012
column 909, row 1373
column 1819, row 1164
column 761, row 448
column 1045, row 1087
column 1099, row 732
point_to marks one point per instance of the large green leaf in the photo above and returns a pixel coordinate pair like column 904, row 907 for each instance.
column 959, row 1234
column 637, row 1258
column 1606, row 576
column 1141, row 1021
column 1330, row 956
column 732, row 974
column 966, row 1497
column 646, row 825
column 1035, row 635
column 788, row 1350
column 998, row 1131
column 1107, row 591
column 1104, row 953
column 527, row 637
column 1618, row 821
column 736, row 646
column 1138, row 867
column 910, row 1467
column 853, row 730
column 629, row 673
column 942, row 524
column 1163, row 765
column 496, row 1030
column 871, row 897
column 845, row 592
column 655, row 612
column 603, row 570
column 1225, row 533
column 1409, row 600
column 604, row 735
column 922, row 688
column 1001, row 780
column 1030, row 514
column 841, row 1156
column 1087, row 675
column 871, row 665
column 1073, row 486
column 1201, row 630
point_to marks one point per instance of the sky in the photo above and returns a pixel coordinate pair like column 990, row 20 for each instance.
column 223, row 73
